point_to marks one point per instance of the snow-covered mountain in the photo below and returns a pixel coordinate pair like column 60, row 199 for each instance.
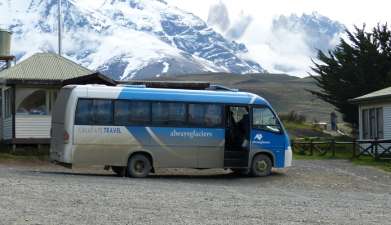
column 127, row 39
column 320, row 32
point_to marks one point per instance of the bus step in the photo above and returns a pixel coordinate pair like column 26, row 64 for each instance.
column 235, row 154
column 235, row 163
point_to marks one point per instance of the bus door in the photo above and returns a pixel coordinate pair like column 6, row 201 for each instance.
column 267, row 134
column 237, row 136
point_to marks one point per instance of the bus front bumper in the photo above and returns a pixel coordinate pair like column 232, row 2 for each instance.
column 288, row 157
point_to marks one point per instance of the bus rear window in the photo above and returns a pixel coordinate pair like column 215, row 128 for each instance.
column 60, row 105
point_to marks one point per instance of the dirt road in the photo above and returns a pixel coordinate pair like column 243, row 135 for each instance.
column 311, row 192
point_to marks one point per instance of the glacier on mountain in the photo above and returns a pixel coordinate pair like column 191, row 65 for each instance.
column 126, row 39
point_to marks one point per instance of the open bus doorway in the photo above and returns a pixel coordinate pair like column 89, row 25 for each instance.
column 237, row 138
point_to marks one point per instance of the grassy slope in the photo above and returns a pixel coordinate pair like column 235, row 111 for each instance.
column 303, row 130
column 284, row 92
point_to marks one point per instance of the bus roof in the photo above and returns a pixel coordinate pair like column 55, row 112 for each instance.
column 163, row 94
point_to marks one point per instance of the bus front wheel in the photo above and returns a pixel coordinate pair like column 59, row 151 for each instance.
column 261, row 166
column 139, row 166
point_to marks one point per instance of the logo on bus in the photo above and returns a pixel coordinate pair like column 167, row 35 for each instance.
column 99, row 130
column 190, row 134
column 258, row 139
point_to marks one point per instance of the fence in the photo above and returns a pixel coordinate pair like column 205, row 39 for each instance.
column 378, row 149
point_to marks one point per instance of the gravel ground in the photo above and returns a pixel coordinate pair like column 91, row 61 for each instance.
column 310, row 192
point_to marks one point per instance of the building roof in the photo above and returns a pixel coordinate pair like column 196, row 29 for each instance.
column 374, row 96
column 44, row 66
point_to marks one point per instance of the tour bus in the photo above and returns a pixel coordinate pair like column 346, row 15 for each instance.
column 134, row 130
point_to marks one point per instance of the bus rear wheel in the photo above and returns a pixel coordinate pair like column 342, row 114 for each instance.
column 139, row 166
column 261, row 166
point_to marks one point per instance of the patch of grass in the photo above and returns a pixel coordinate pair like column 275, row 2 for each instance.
column 24, row 153
column 303, row 130
column 347, row 155
column 316, row 156
column 23, row 157
column 368, row 161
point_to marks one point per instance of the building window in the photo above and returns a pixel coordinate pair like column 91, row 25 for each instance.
column 32, row 101
column 34, row 104
column 8, row 103
column 372, row 123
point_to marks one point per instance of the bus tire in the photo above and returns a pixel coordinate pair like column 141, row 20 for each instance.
column 261, row 166
column 139, row 166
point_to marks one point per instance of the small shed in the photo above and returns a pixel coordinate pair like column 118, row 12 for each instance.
column 374, row 115
column 29, row 90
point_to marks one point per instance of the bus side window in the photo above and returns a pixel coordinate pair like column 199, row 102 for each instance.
column 131, row 112
column 213, row 115
column 103, row 112
column 264, row 119
column 168, row 113
column 94, row 112
column 83, row 115
column 205, row 115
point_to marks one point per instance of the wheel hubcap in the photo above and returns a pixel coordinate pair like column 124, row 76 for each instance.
column 261, row 166
column 139, row 166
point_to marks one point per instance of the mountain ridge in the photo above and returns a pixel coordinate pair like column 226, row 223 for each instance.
column 290, row 95
column 131, row 39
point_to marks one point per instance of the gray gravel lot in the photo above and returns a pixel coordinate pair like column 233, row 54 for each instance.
column 311, row 192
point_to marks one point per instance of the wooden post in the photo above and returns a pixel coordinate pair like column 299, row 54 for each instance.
column 354, row 149
column 311, row 148
column 376, row 149
column 333, row 147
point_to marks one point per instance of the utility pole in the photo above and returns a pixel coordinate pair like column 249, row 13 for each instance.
column 59, row 27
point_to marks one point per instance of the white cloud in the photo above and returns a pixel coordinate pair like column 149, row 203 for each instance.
column 347, row 12
column 285, row 51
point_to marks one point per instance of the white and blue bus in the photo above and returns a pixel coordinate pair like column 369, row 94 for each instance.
column 135, row 130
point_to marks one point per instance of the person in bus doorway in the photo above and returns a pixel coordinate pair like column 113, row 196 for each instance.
column 244, row 129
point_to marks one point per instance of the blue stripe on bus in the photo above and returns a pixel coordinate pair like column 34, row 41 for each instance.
column 142, row 136
column 178, row 136
column 190, row 96
column 190, row 136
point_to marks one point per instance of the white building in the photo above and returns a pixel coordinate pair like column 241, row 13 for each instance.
column 28, row 92
column 374, row 115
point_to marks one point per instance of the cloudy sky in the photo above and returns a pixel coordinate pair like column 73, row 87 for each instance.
column 293, row 52
column 345, row 11
column 250, row 22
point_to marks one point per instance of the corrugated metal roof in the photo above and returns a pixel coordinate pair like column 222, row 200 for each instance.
column 380, row 94
column 45, row 66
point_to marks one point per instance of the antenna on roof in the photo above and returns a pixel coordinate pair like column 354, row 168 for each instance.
column 59, row 27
